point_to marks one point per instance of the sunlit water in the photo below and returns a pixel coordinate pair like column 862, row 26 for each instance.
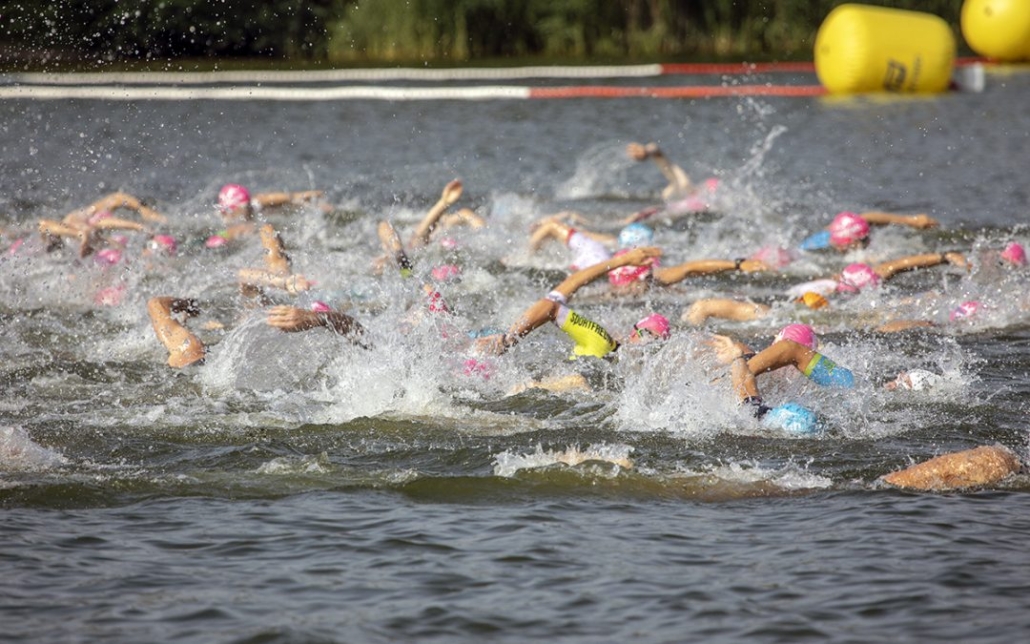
column 295, row 488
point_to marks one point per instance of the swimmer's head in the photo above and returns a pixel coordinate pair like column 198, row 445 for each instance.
column 655, row 325
column 965, row 311
column 1014, row 254
column 163, row 243
column 635, row 234
column 800, row 333
column 792, row 418
column 846, row 229
column 445, row 272
column 857, row 277
column 233, row 199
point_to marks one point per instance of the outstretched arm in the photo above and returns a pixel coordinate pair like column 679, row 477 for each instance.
column 184, row 348
column 274, row 199
column 276, row 259
column 293, row 319
column 889, row 269
column 667, row 275
column 640, row 256
column 259, row 278
column 117, row 200
column 451, row 193
column 725, row 309
column 877, row 218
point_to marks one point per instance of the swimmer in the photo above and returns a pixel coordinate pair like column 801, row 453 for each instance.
column 437, row 217
column 795, row 345
column 85, row 225
column 590, row 249
column 853, row 279
column 590, row 338
column 850, row 230
column 237, row 208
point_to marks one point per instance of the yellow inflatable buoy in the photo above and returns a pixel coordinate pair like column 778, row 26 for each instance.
column 860, row 48
column 997, row 29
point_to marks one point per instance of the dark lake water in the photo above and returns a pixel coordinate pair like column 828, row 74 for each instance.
column 297, row 489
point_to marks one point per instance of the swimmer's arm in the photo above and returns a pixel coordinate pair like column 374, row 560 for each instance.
column 782, row 353
column 679, row 181
column 276, row 259
column 184, row 348
column 451, row 193
column 889, row 269
column 549, row 228
column 274, row 199
column 733, row 352
column 391, row 243
column 635, row 257
column 464, row 217
column 117, row 200
column 674, row 274
column 115, row 223
column 292, row 319
column 724, row 309
column 255, row 277
column 897, row 326
column 921, row 220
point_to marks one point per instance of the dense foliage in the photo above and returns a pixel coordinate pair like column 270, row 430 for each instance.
column 336, row 31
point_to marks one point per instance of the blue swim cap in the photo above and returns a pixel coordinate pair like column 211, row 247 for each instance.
column 635, row 234
column 818, row 241
column 792, row 418
column 484, row 332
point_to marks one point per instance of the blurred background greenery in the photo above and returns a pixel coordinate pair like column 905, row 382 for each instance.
column 99, row 33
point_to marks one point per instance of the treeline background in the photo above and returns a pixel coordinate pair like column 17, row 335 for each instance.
column 342, row 32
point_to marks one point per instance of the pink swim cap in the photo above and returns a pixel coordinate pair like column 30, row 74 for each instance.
column 473, row 367
column 319, row 306
column 109, row 256
column 448, row 243
column 965, row 310
column 445, row 272
column 232, row 196
column 856, row 277
column 1014, row 254
column 847, row 228
column 624, row 275
column 800, row 333
column 655, row 323
column 773, row 256
column 164, row 243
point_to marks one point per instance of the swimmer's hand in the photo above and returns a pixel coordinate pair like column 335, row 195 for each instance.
column 726, row 349
column 292, row 319
column 957, row 259
column 923, row 221
column 490, row 345
column 451, row 193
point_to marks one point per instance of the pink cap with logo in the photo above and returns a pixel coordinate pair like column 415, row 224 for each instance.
column 847, row 228
column 232, row 196
column 856, row 277
column 800, row 333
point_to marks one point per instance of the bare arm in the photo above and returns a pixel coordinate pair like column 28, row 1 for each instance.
column 635, row 257
column 877, row 218
column 276, row 259
column 256, row 277
column 674, row 274
column 117, row 200
column 724, row 309
column 679, row 182
column 274, row 199
column 451, row 193
column 889, row 269
column 184, row 348
column 292, row 319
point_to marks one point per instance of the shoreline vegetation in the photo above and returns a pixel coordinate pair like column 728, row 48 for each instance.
column 188, row 35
